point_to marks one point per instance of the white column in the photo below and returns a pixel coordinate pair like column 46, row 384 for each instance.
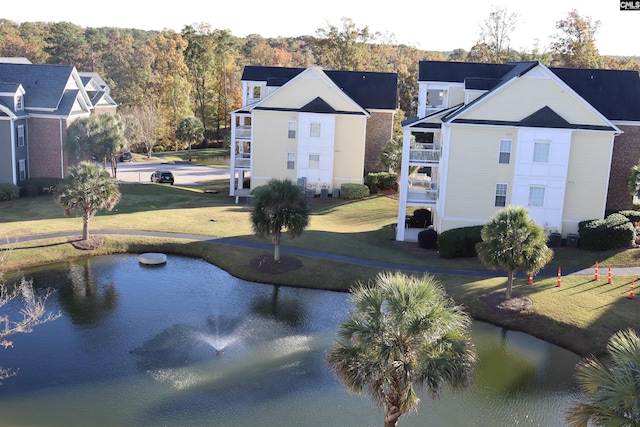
column 404, row 185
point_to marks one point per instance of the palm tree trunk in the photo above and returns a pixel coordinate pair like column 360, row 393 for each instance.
column 391, row 416
column 85, row 227
column 509, row 284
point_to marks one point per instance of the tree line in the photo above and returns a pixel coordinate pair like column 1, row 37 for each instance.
column 161, row 77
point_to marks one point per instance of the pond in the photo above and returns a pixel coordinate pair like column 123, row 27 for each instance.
column 186, row 344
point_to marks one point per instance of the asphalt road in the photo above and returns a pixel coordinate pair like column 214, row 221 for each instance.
column 184, row 173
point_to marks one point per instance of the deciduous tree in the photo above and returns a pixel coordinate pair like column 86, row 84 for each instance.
column 495, row 34
column 190, row 130
column 403, row 333
column 575, row 45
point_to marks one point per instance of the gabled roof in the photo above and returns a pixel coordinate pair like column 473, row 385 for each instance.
column 614, row 93
column 370, row 90
column 318, row 105
column 44, row 84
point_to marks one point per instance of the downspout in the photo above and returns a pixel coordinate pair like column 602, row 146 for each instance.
column 14, row 178
column 61, row 151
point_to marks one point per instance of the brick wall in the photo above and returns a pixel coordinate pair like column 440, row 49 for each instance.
column 44, row 141
column 626, row 154
column 379, row 130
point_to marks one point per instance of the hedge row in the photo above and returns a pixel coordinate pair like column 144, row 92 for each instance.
column 613, row 232
column 354, row 191
column 379, row 181
column 39, row 186
column 8, row 191
column 459, row 242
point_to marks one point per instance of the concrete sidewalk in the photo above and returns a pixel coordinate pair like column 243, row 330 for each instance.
column 603, row 270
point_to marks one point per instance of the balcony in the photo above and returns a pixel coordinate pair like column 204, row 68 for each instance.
column 425, row 154
column 242, row 161
column 422, row 192
column 243, row 132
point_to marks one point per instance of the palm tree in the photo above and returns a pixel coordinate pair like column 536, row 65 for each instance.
column 403, row 333
column 612, row 387
column 633, row 181
column 87, row 189
column 279, row 204
column 512, row 241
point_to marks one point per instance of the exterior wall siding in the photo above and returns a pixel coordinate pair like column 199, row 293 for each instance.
column 348, row 159
column 538, row 93
column 472, row 173
column 6, row 157
column 586, row 189
column 271, row 145
column 626, row 154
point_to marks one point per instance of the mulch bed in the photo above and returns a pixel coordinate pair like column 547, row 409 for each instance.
column 497, row 301
column 266, row 264
column 93, row 242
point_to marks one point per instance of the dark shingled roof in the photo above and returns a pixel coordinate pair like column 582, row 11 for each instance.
column 614, row 93
column 318, row 105
column 44, row 84
column 370, row 90
column 545, row 117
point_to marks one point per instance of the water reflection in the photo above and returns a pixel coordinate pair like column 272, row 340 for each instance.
column 186, row 344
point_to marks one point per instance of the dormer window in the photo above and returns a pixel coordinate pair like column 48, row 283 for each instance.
column 436, row 98
column 19, row 102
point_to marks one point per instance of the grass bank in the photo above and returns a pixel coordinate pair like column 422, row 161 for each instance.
column 580, row 315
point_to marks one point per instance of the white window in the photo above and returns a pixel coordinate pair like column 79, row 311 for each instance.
column 314, row 161
column 314, row 130
column 541, row 151
column 293, row 125
column 20, row 136
column 291, row 160
column 501, row 195
column 19, row 102
column 536, row 196
column 256, row 92
column 436, row 98
column 505, row 151
column 22, row 170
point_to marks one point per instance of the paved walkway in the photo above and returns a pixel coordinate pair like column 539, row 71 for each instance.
column 615, row 271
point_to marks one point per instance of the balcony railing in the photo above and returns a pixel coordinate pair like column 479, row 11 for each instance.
column 425, row 153
column 243, row 161
column 422, row 191
column 243, row 132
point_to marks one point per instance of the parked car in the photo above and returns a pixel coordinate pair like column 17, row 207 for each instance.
column 126, row 156
column 162, row 177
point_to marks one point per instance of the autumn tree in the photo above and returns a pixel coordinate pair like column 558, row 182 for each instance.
column 345, row 47
column 575, row 45
column 149, row 124
column 227, row 88
column 65, row 44
column 171, row 87
column 495, row 34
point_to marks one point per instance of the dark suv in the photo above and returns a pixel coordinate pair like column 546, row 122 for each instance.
column 162, row 177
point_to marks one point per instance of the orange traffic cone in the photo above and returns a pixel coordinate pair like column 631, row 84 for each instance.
column 559, row 278
column 609, row 278
column 531, row 278
column 631, row 290
column 596, row 276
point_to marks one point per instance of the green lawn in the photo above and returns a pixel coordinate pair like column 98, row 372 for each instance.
column 579, row 315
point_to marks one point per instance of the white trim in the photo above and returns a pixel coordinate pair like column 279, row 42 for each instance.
column 13, row 154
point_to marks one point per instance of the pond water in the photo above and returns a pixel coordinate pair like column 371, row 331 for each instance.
column 186, row 344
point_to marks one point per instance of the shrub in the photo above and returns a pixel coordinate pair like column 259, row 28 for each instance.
column 613, row 232
column 39, row 186
column 633, row 216
column 459, row 242
column 354, row 191
column 8, row 191
column 377, row 181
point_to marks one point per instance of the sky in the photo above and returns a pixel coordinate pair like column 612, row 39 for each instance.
column 429, row 25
